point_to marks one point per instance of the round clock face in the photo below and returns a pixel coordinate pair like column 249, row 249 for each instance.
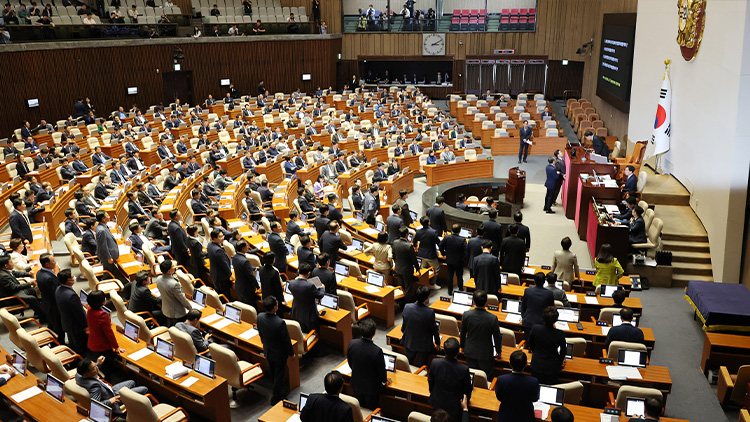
column 433, row 44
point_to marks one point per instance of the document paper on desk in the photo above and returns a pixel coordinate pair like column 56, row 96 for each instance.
column 604, row 417
column 345, row 369
column 372, row 289
column 235, row 224
column 294, row 418
column 543, row 408
column 572, row 298
column 592, row 300
column 176, row 370
column 623, row 373
column 562, row 325
column 31, row 392
column 131, row 264
column 189, row 382
column 612, row 209
column 459, row 309
column 135, row 356
column 513, row 318
column 211, row 318
column 370, row 232
column 247, row 335
column 221, row 324
column 124, row 249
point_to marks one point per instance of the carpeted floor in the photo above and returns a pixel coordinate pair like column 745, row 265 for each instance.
column 679, row 338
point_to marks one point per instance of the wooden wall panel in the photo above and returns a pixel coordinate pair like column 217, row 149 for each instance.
column 62, row 75
column 561, row 78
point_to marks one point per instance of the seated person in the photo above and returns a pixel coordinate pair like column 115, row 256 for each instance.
column 637, row 227
column 191, row 326
column 142, row 300
column 625, row 331
column 88, row 378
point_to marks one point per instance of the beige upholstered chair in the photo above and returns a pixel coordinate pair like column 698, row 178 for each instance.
column 43, row 336
column 304, row 342
column 448, row 325
column 141, row 409
column 184, row 348
column 573, row 392
column 238, row 373
column 144, row 333
column 732, row 388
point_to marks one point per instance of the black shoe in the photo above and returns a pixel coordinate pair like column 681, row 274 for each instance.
column 525, row 161
column 519, row 161
column 550, row 212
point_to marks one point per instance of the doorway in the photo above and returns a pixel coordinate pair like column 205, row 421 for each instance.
column 178, row 85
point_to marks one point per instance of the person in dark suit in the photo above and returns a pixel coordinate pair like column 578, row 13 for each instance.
column 47, row 282
column 405, row 263
column 333, row 212
column 277, row 246
column 270, row 280
column 305, row 252
column 221, row 271
column 474, row 248
column 493, row 231
column 100, row 190
column 325, row 274
column 517, row 392
column 427, row 242
column 88, row 238
column 20, row 226
column 357, row 198
column 393, row 223
column 277, row 346
column 546, row 113
column 637, row 227
column 245, row 283
column 487, row 270
column 10, row 286
column 368, row 368
column 461, row 203
column 548, row 346
column 479, row 329
column 99, row 157
column 453, row 247
column 106, row 247
column 449, row 381
column 550, row 183
column 653, row 409
column 630, row 187
column 178, row 238
column 523, row 230
column 598, row 143
column 437, row 216
column 293, row 228
column 627, row 215
column 72, row 315
column 88, row 377
column 142, row 300
column 512, row 252
column 328, row 407
column 535, row 299
column 331, row 243
column 304, row 307
column 525, row 134
column 625, row 331
column 421, row 336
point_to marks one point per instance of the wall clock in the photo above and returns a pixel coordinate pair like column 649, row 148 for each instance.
column 433, row 44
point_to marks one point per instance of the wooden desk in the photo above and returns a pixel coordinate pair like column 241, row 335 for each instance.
column 278, row 413
column 207, row 397
column 252, row 348
column 392, row 188
column 540, row 146
column 594, row 374
column 41, row 407
column 576, row 166
column 598, row 234
column 728, row 350
column 586, row 192
column 438, row 174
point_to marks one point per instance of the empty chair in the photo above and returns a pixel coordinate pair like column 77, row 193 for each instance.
column 42, row 336
column 238, row 373
column 346, row 301
column 145, row 333
column 34, row 352
column 733, row 388
column 480, row 378
column 579, row 345
column 249, row 313
column 140, row 409
column 304, row 342
column 418, row 417
column 508, row 337
column 448, row 325
column 573, row 392
column 360, row 414
column 56, row 366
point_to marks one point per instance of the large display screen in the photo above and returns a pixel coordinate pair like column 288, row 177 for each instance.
column 616, row 60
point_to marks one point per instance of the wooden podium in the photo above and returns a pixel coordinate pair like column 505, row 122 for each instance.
column 515, row 188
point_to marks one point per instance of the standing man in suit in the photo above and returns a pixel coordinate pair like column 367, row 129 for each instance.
column 221, row 270
column 565, row 262
column 368, row 368
column 293, row 228
column 437, row 216
column 453, row 248
column 517, row 392
column 47, row 282
column 625, row 331
column 403, row 195
column 421, row 335
column 533, row 302
column 178, row 238
column 560, row 167
column 449, row 381
column 557, row 293
column 106, row 246
column 631, row 182
column 550, row 183
column 427, row 242
column 598, row 143
column 20, row 226
column 277, row 246
column 393, row 223
column 523, row 231
column 174, row 304
column 245, row 283
column 547, row 343
column 525, row 134
column 328, row 407
column 405, row 260
column 487, row 270
column 493, row 231
column 72, row 315
column 474, row 248
column 512, row 252
column 277, row 346
column 304, row 308
column 479, row 329
column 371, row 205
column 305, row 251
column 331, row 243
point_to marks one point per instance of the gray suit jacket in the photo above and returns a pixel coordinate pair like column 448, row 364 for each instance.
column 106, row 245
column 565, row 265
column 98, row 390
column 174, row 304
column 196, row 335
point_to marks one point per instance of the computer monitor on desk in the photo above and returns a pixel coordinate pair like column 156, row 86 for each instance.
column 551, row 395
column 635, row 407
column 99, row 412
column 511, row 306
column 463, row 298
column 390, row 362
column 131, row 331
column 634, row 358
column 232, row 313
column 205, row 366
column 54, row 388
column 19, row 362
column 164, row 349
column 375, row 278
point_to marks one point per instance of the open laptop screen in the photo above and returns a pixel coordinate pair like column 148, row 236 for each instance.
column 390, row 362
column 232, row 313
column 100, row 412
column 205, row 366
column 568, row 314
column 462, row 298
column 551, row 395
column 617, row 320
column 632, row 358
column 635, row 407
column 608, row 289
column 199, row 297
column 511, row 306
column 375, row 278
column 131, row 331
column 342, row 269
column 330, row 301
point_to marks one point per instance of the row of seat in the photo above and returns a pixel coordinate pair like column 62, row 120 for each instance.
column 583, row 117
column 257, row 4
column 239, row 18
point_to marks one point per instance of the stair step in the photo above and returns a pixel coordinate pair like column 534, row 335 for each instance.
column 692, row 268
column 681, row 280
column 684, row 237
column 665, row 199
column 694, row 257
column 678, row 245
